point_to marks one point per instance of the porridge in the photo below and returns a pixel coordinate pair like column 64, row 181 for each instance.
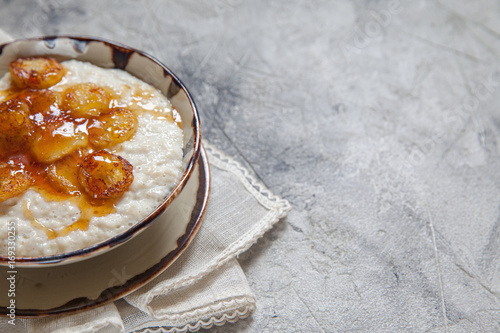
column 85, row 153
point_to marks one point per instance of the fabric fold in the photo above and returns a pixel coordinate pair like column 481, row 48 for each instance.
column 222, row 296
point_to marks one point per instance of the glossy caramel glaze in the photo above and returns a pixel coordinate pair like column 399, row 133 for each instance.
column 49, row 162
column 45, row 138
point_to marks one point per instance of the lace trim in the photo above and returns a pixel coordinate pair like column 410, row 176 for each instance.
column 234, row 309
column 254, row 186
column 277, row 206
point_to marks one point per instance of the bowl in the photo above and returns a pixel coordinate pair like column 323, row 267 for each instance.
column 107, row 54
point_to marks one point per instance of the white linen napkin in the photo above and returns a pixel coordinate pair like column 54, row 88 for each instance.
column 205, row 286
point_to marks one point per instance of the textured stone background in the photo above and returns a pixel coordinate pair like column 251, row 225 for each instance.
column 378, row 120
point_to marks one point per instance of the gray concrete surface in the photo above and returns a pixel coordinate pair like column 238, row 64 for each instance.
column 378, row 120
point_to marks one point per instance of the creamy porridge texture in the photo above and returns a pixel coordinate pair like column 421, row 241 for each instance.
column 48, row 224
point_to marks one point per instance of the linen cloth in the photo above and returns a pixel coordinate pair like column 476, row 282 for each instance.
column 205, row 286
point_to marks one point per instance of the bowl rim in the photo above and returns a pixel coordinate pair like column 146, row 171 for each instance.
column 139, row 226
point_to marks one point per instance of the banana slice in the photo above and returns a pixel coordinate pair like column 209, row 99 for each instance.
column 63, row 174
column 36, row 72
column 14, row 180
column 15, row 126
column 86, row 100
column 41, row 101
column 104, row 175
column 54, row 140
column 112, row 128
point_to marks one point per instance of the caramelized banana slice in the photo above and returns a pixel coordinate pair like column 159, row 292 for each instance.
column 104, row 175
column 112, row 128
column 15, row 126
column 14, row 180
column 56, row 139
column 36, row 72
column 86, row 100
column 41, row 101
column 63, row 174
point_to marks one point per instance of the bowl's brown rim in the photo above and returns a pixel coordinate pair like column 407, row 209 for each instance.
column 129, row 233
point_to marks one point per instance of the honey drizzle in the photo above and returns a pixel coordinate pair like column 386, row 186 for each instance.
column 88, row 206
column 51, row 233
column 140, row 95
column 87, row 211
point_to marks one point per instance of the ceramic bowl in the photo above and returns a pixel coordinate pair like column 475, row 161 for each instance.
column 108, row 54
